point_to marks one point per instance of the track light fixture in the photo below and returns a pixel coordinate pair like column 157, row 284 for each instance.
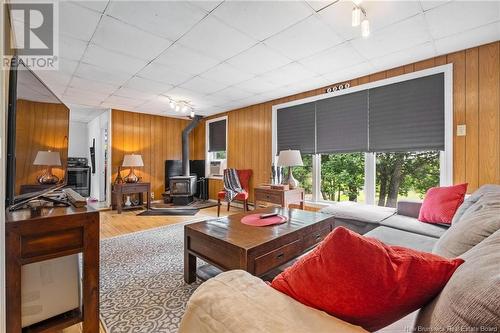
column 180, row 106
column 359, row 12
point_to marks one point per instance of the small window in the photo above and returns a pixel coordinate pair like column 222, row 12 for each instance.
column 216, row 137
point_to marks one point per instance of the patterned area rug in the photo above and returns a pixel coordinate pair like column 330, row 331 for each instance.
column 142, row 285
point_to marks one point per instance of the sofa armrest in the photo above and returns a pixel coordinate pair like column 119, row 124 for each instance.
column 409, row 208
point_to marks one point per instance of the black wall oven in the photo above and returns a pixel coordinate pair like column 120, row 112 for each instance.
column 79, row 175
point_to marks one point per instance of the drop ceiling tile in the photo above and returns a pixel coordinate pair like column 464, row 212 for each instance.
column 478, row 36
column 161, row 73
column 98, row 56
column 92, row 96
column 71, row 48
column 319, row 4
column 81, row 101
column 169, row 19
column 186, row 60
column 303, row 39
column 134, row 93
column 459, row 16
column 207, row 6
column 91, row 85
column 288, row 74
column 66, row 65
column 120, row 100
column 428, row 4
column 182, row 94
column 98, row 6
column 54, row 77
column 216, row 39
column 259, row 59
column 146, row 85
column 349, row 73
column 262, row 19
column 256, row 85
column 76, row 21
column 203, row 86
column 95, row 73
column 399, row 36
column 231, row 94
column 416, row 53
column 335, row 58
column 226, row 74
column 120, row 37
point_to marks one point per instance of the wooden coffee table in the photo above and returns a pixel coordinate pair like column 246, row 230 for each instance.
column 227, row 244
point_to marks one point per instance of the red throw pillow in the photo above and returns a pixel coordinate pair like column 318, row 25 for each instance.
column 441, row 203
column 363, row 281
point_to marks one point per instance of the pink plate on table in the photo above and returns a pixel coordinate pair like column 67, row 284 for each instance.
column 256, row 221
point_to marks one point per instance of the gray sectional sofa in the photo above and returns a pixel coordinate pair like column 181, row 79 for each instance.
column 392, row 226
column 237, row 302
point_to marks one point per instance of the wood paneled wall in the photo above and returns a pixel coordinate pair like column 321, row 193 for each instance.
column 156, row 138
column 476, row 94
column 39, row 126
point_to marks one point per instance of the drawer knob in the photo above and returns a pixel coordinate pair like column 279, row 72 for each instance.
column 318, row 237
column 280, row 256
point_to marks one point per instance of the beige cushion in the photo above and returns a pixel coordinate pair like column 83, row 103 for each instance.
column 472, row 199
column 479, row 221
column 360, row 212
column 237, row 302
column 471, row 298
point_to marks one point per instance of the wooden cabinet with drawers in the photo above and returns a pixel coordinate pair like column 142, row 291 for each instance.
column 279, row 197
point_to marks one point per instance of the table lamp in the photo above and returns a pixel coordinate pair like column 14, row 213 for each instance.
column 49, row 159
column 132, row 161
column 290, row 158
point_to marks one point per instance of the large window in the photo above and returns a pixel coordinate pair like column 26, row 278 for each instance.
column 343, row 177
column 405, row 176
column 375, row 143
column 304, row 175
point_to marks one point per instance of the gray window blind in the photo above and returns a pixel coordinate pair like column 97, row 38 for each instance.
column 296, row 128
column 217, row 136
column 342, row 123
column 407, row 116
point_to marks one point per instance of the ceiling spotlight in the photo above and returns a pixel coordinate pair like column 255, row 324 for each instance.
column 365, row 28
column 356, row 16
column 191, row 114
column 185, row 108
column 177, row 108
column 172, row 104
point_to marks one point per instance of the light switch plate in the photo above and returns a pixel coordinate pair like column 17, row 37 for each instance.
column 461, row 130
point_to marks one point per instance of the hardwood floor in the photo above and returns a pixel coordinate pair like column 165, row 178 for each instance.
column 113, row 224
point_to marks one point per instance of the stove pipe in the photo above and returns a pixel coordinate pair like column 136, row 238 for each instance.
column 185, row 144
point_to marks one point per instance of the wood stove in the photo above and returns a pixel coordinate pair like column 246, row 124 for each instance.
column 183, row 188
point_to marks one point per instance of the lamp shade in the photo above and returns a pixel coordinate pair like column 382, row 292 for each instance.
column 290, row 158
column 132, row 161
column 47, row 158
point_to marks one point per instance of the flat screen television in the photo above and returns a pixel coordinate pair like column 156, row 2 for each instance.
column 37, row 137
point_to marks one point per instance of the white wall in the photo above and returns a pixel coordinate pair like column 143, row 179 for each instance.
column 78, row 135
column 95, row 130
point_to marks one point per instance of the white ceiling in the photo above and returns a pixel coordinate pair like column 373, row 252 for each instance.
column 224, row 55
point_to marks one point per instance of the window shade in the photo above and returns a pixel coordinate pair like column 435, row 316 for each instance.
column 342, row 123
column 217, row 136
column 296, row 128
column 407, row 116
